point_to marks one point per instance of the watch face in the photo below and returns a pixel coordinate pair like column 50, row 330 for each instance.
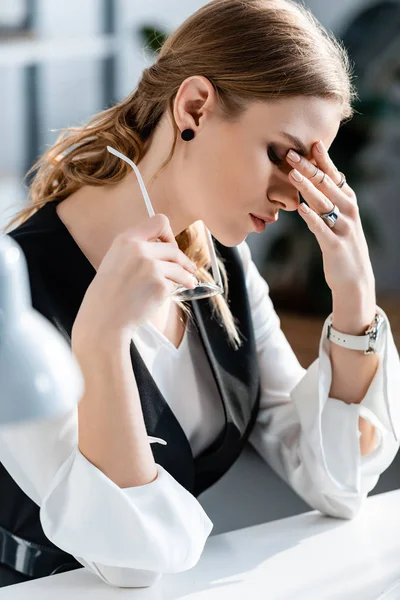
column 375, row 324
column 375, row 333
column 379, row 323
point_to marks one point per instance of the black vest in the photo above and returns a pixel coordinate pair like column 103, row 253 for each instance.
column 59, row 275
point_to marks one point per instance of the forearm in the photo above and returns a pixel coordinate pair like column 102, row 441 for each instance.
column 112, row 433
column 352, row 370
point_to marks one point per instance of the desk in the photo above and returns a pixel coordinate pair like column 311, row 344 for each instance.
column 306, row 557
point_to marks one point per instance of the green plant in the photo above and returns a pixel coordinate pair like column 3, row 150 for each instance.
column 152, row 38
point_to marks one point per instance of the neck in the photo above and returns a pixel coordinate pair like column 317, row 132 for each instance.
column 98, row 214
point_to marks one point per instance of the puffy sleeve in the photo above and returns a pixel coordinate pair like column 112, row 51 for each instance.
column 309, row 438
column 127, row 536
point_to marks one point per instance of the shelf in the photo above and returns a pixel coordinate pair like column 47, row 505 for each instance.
column 23, row 52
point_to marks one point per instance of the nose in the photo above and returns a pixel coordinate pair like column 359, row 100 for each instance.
column 286, row 199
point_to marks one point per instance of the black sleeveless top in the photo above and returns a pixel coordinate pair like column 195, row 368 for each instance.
column 59, row 274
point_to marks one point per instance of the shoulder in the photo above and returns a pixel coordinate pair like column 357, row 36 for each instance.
column 37, row 241
column 36, row 235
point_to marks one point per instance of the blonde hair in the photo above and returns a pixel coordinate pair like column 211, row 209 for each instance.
column 249, row 50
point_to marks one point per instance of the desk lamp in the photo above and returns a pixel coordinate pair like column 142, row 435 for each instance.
column 39, row 376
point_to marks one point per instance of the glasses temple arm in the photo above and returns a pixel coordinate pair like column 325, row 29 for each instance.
column 214, row 265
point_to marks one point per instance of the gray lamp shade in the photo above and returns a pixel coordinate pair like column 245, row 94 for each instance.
column 39, row 376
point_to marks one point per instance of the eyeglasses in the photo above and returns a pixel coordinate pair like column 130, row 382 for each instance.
column 203, row 289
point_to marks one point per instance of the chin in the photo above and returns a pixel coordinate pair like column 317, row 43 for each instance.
column 230, row 238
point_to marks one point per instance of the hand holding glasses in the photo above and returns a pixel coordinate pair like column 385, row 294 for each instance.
column 203, row 289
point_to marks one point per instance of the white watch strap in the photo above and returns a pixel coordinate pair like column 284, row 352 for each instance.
column 353, row 342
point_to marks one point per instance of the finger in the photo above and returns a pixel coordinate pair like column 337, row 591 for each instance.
column 177, row 274
column 302, row 164
column 169, row 252
column 313, row 196
column 322, row 231
column 156, row 227
column 314, row 173
column 321, row 181
column 303, row 168
column 325, row 163
column 334, row 177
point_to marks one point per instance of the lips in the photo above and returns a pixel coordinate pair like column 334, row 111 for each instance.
column 266, row 218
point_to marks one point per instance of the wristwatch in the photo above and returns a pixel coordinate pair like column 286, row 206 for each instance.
column 370, row 342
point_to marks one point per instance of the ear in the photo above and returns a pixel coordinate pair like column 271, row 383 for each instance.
column 194, row 102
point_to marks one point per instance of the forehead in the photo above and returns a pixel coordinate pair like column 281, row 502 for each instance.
column 308, row 118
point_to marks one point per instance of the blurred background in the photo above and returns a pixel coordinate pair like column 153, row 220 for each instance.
column 61, row 62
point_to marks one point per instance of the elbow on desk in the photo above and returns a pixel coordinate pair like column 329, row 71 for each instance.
column 182, row 559
column 130, row 577
column 123, row 577
column 135, row 542
column 342, row 510
column 138, row 578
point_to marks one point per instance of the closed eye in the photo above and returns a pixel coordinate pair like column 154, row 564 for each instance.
column 274, row 157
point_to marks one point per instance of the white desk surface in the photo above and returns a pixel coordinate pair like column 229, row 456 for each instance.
column 306, row 557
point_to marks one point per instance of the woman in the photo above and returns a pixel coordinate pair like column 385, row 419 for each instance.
column 174, row 390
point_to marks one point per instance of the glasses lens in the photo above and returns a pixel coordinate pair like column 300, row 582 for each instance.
column 204, row 289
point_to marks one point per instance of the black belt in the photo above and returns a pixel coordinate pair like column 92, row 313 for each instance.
column 33, row 560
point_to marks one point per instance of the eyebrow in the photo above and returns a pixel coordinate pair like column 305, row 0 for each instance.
column 298, row 144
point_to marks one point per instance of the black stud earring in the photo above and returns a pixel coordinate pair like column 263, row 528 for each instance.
column 187, row 135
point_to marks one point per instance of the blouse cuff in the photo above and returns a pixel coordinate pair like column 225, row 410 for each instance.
column 331, row 440
column 159, row 526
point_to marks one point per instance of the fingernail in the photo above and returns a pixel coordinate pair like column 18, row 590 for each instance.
column 193, row 266
column 195, row 280
column 304, row 207
column 293, row 156
column 296, row 175
column 320, row 147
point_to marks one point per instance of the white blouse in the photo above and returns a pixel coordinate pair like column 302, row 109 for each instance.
column 130, row 536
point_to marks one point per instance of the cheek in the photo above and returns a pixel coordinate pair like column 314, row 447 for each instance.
column 222, row 172
column 249, row 180
column 232, row 172
column 255, row 172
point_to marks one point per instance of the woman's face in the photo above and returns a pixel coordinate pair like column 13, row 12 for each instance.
column 233, row 169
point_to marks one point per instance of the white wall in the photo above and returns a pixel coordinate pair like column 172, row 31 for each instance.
column 167, row 14
column 334, row 15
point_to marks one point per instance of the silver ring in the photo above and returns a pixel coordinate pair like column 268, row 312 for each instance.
column 323, row 177
column 332, row 216
column 316, row 171
column 342, row 181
